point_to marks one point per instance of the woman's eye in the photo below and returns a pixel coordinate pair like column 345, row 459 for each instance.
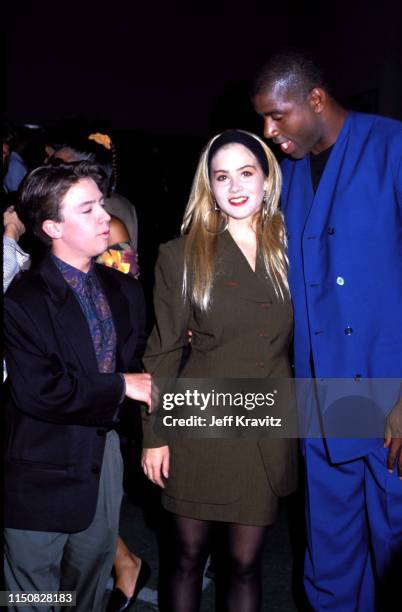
column 247, row 173
column 88, row 210
column 221, row 177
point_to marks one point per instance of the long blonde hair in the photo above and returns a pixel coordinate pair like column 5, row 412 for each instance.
column 202, row 223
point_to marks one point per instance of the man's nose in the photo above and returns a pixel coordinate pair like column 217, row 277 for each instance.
column 104, row 215
column 270, row 129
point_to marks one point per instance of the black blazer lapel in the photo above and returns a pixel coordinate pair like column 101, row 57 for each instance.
column 68, row 313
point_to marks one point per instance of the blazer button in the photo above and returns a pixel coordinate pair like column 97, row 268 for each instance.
column 331, row 231
column 348, row 331
column 95, row 469
column 340, row 281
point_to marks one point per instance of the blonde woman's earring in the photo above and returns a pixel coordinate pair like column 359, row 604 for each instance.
column 217, row 214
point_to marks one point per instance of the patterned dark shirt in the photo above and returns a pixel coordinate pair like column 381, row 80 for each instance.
column 89, row 293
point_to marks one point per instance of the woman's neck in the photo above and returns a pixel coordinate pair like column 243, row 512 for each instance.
column 242, row 230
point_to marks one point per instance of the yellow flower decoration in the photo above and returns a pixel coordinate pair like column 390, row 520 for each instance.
column 124, row 267
column 102, row 139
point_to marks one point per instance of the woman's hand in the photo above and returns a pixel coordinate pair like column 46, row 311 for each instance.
column 155, row 463
column 393, row 439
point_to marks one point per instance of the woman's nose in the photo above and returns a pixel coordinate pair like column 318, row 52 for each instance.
column 234, row 185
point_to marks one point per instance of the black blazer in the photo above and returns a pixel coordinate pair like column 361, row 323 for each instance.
column 61, row 406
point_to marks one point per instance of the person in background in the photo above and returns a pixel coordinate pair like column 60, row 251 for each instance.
column 99, row 148
column 225, row 279
column 342, row 201
column 131, row 572
column 120, row 254
column 16, row 141
column 14, row 258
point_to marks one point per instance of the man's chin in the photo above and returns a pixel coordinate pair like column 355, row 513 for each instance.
column 298, row 153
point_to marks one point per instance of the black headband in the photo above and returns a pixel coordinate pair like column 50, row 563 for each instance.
column 236, row 136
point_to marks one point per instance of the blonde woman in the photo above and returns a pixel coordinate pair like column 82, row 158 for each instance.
column 225, row 279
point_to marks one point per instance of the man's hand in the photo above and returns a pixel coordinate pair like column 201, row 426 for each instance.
column 141, row 388
column 393, row 438
column 13, row 226
column 155, row 463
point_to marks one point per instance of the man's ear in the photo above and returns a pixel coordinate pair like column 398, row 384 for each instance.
column 317, row 99
column 51, row 228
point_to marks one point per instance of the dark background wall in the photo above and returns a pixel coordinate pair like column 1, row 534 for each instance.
column 165, row 67
column 164, row 76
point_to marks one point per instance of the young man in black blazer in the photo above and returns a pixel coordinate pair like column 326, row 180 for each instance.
column 74, row 335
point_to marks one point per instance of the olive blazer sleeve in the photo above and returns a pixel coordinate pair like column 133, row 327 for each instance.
column 169, row 336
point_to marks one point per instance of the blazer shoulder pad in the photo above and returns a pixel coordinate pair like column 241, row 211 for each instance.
column 29, row 286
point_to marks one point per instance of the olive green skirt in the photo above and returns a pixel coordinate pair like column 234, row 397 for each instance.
column 257, row 503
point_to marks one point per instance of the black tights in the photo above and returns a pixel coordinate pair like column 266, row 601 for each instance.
column 241, row 560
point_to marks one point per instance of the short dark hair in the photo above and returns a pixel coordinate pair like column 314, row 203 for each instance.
column 43, row 190
column 294, row 71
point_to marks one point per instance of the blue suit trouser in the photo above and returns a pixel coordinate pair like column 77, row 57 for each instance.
column 354, row 531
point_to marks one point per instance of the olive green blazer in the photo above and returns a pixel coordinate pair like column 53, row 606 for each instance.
column 245, row 334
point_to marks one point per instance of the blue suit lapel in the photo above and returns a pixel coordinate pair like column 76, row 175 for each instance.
column 332, row 180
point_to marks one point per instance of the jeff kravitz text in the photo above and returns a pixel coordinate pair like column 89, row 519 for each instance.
column 226, row 421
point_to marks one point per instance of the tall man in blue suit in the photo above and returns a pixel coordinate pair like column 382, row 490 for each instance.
column 74, row 335
column 342, row 200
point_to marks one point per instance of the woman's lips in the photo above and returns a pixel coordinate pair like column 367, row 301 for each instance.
column 238, row 201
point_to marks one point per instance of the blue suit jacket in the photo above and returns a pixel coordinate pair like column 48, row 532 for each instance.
column 345, row 250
